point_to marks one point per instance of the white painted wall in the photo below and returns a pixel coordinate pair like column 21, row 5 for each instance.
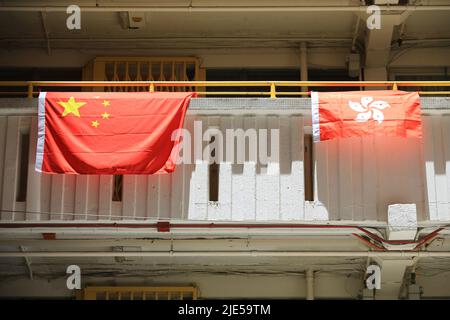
column 355, row 180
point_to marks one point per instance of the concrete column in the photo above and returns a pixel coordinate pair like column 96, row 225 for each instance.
column 375, row 74
column 392, row 274
column 309, row 284
column 378, row 47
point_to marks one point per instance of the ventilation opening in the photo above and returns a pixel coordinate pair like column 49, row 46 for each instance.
column 308, row 168
column 22, row 172
column 117, row 188
column 213, row 176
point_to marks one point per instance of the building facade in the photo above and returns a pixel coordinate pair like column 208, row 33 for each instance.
column 295, row 219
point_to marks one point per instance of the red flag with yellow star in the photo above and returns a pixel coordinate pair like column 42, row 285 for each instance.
column 110, row 133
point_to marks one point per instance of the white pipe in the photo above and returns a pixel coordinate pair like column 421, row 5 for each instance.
column 168, row 38
column 28, row 263
column 309, row 284
column 372, row 254
column 46, row 33
column 191, row 9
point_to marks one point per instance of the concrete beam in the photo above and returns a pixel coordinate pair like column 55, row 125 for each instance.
column 392, row 274
column 378, row 46
column 402, row 221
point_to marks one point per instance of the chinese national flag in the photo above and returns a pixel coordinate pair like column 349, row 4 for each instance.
column 363, row 113
column 109, row 133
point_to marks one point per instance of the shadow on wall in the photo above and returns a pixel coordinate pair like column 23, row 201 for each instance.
column 436, row 129
column 358, row 178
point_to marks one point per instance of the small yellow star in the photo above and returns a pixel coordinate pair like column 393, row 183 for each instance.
column 105, row 115
column 105, row 103
column 95, row 123
column 71, row 106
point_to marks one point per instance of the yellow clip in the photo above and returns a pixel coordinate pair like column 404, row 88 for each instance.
column 273, row 92
column 30, row 90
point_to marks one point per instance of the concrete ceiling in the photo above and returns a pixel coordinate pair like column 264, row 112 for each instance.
column 218, row 27
column 48, row 267
column 152, row 265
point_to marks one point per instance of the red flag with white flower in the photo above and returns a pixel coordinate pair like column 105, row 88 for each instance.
column 363, row 113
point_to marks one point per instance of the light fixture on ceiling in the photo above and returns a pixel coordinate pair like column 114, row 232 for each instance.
column 132, row 20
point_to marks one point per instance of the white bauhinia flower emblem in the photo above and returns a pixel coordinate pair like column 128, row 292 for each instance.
column 368, row 108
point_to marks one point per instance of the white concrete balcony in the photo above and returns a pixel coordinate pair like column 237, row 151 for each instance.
column 350, row 180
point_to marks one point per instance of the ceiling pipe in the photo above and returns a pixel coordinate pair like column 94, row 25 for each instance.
column 28, row 263
column 183, row 225
column 196, row 254
column 46, row 33
column 169, row 38
column 415, row 41
column 165, row 227
column 355, row 33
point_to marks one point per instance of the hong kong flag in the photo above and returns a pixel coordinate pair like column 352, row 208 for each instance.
column 364, row 113
column 110, row 133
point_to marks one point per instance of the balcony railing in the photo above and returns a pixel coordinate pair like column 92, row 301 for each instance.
column 272, row 89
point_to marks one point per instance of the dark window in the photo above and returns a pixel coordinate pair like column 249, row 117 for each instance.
column 232, row 74
column 424, row 78
column 331, row 75
column 22, row 172
column 117, row 188
column 39, row 74
column 276, row 75
column 308, row 168
column 213, row 177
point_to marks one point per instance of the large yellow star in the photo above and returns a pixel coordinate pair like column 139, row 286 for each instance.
column 71, row 106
